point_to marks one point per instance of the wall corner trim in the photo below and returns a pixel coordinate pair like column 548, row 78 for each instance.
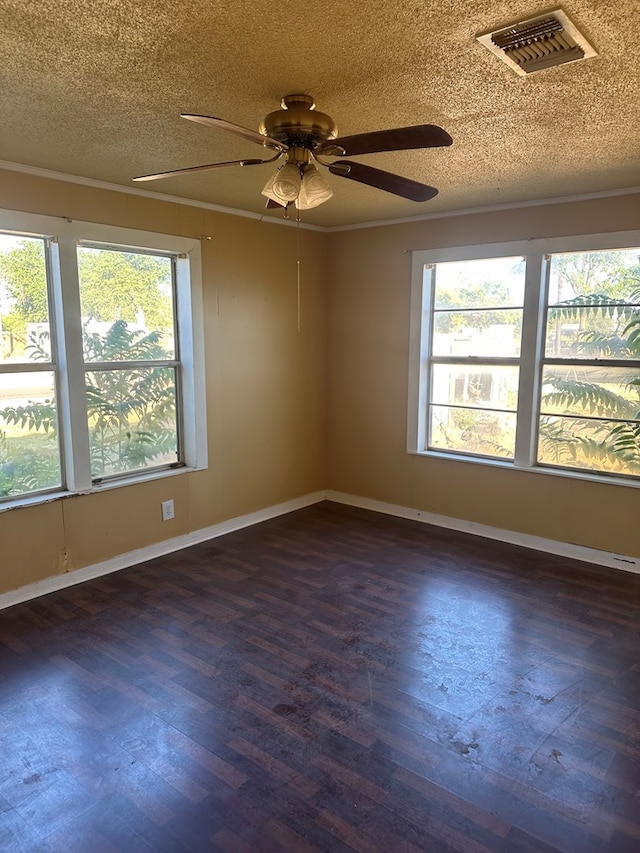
column 525, row 540
column 158, row 549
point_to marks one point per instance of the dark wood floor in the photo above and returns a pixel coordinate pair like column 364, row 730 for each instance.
column 331, row 680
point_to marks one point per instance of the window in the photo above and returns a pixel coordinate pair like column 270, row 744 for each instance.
column 475, row 355
column 529, row 355
column 100, row 357
column 29, row 447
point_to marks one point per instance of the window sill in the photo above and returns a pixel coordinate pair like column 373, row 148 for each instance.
column 50, row 497
column 570, row 474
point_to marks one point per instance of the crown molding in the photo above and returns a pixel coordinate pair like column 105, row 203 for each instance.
column 37, row 172
column 289, row 223
column 488, row 208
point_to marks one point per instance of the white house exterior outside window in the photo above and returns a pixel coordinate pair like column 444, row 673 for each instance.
column 527, row 355
column 101, row 356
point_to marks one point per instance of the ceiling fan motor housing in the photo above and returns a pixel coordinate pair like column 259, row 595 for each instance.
column 298, row 123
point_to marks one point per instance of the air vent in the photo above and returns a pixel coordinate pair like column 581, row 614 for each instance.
column 538, row 43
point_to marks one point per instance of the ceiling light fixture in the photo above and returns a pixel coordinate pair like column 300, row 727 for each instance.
column 298, row 181
column 303, row 136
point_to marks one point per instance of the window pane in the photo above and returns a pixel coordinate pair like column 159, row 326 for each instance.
column 480, row 385
column 594, row 276
column 592, row 332
column 607, row 436
column 24, row 310
column 474, row 431
column 487, row 283
column 593, row 445
column 594, row 300
column 29, row 454
column 480, row 333
column 127, row 305
column 602, row 392
column 132, row 419
column 477, row 314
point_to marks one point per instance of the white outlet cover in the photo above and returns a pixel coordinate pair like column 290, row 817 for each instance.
column 167, row 510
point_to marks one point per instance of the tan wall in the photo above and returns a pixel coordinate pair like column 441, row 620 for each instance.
column 265, row 385
column 369, row 290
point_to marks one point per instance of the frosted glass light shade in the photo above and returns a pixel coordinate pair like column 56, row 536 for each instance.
column 283, row 186
column 314, row 190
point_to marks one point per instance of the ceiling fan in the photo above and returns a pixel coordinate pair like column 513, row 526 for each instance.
column 303, row 136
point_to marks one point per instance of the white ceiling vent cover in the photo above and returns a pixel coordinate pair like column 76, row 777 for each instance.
column 538, row 43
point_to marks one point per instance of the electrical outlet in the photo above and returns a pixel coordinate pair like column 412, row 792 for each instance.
column 167, row 510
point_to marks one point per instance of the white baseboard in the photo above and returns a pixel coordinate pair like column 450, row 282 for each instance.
column 538, row 543
column 159, row 549
column 167, row 546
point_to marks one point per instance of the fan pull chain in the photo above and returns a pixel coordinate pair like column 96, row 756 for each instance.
column 298, row 265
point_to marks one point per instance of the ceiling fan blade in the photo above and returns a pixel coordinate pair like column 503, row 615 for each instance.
column 395, row 139
column 271, row 205
column 244, row 132
column 395, row 184
column 204, row 168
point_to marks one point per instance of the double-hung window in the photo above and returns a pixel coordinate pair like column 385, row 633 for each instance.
column 528, row 355
column 101, row 362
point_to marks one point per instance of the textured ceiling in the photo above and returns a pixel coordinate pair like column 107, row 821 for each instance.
column 94, row 88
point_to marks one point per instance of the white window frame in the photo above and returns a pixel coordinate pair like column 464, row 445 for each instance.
column 62, row 237
column 536, row 254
